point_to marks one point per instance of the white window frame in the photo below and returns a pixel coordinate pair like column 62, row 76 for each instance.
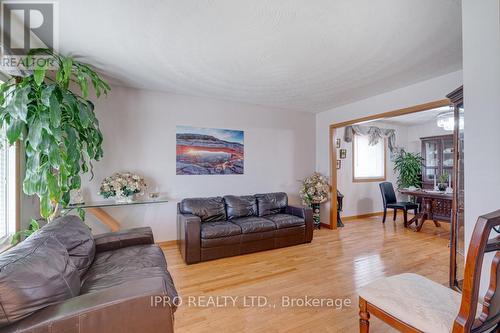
column 368, row 179
column 12, row 190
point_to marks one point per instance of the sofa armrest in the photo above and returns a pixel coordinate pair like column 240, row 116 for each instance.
column 296, row 210
column 305, row 213
column 131, row 307
column 189, row 242
column 123, row 238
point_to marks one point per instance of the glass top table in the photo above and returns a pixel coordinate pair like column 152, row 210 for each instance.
column 96, row 208
column 113, row 203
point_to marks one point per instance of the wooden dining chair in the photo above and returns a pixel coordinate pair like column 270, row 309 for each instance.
column 390, row 201
column 413, row 303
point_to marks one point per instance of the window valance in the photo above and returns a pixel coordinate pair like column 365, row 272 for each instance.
column 374, row 133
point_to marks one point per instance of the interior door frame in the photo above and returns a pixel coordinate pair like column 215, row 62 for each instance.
column 333, row 150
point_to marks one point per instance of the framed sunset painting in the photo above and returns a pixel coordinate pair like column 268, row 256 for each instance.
column 209, row 151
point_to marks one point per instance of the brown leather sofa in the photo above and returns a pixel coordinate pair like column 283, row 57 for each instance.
column 62, row 279
column 211, row 228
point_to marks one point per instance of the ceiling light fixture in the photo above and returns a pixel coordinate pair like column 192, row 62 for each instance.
column 446, row 120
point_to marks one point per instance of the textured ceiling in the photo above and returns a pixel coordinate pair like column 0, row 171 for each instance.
column 307, row 55
column 418, row 118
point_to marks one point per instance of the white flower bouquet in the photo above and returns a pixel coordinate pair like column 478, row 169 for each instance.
column 122, row 186
column 315, row 189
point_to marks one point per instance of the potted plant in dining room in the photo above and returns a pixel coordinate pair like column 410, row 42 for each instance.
column 315, row 189
column 48, row 112
column 124, row 187
column 443, row 181
column 408, row 167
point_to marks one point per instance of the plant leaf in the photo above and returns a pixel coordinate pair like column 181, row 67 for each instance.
column 35, row 133
column 39, row 75
column 47, row 93
column 45, row 206
column 14, row 130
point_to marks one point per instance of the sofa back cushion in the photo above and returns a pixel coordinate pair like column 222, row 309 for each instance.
column 76, row 236
column 240, row 206
column 33, row 275
column 207, row 209
column 271, row 203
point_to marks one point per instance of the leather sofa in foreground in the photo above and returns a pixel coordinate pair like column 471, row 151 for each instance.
column 62, row 279
column 211, row 228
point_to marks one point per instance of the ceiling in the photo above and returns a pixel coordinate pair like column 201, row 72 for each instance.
column 417, row 118
column 305, row 55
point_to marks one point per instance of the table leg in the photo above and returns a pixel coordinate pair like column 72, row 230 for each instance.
column 420, row 223
column 414, row 219
column 105, row 218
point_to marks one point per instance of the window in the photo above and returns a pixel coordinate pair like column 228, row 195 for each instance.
column 8, row 190
column 368, row 160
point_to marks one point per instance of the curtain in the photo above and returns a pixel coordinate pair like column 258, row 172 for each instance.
column 374, row 133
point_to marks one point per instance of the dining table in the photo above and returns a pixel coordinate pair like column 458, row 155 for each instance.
column 435, row 206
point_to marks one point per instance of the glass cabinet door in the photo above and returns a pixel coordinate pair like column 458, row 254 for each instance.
column 447, row 157
column 458, row 229
column 431, row 160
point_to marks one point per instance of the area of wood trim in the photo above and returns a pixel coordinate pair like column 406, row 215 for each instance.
column 390, row 320
column 333, row 152
column 333, row 179
column 324, row 225
column 395, row 113
column 361, row 216
column 167, row 243
column 104, row 218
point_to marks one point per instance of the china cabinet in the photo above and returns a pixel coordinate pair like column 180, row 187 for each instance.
column 457, row 242
column 437, row 152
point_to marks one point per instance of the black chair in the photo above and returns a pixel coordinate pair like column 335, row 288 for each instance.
column 390, row 201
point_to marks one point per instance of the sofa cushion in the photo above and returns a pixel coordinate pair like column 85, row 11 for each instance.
column 76, row 237
column 240, row 206
column 286, row 220
column 271, row 203
column 208, row 209
column 219, row 229
column 252, row 224
column 33, row 275
column 115, row 267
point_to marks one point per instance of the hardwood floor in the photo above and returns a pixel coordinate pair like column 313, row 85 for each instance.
column 335, row 265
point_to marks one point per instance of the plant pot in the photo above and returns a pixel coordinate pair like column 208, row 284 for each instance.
column 316, row 215
column 442, row 187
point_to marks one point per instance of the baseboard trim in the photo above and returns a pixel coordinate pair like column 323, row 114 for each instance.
column 167, row 243
column 361, row 216
column 324, row 225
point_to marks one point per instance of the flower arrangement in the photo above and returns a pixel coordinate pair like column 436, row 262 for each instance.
column 315, row 189
column 122, row 185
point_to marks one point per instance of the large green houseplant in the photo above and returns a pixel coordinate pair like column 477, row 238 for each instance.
column 408, row 167
column 48, row 112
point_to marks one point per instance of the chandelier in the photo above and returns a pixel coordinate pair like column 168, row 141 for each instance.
column 446, row 120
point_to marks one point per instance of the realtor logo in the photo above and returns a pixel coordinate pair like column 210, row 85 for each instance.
column 28, row 25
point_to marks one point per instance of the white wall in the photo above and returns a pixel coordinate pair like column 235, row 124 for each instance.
column 423, row 92
column 481, row 63
column 416, row 132
column 139, row 135
column 364, row 197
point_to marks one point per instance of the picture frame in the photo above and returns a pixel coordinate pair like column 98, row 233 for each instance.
column 209, row 151
column 343, row 153
column 337, row 143
column 338, row 164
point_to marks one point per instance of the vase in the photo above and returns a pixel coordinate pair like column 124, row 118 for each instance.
column 442, row 187
column 128, row 199
column 316, row 215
